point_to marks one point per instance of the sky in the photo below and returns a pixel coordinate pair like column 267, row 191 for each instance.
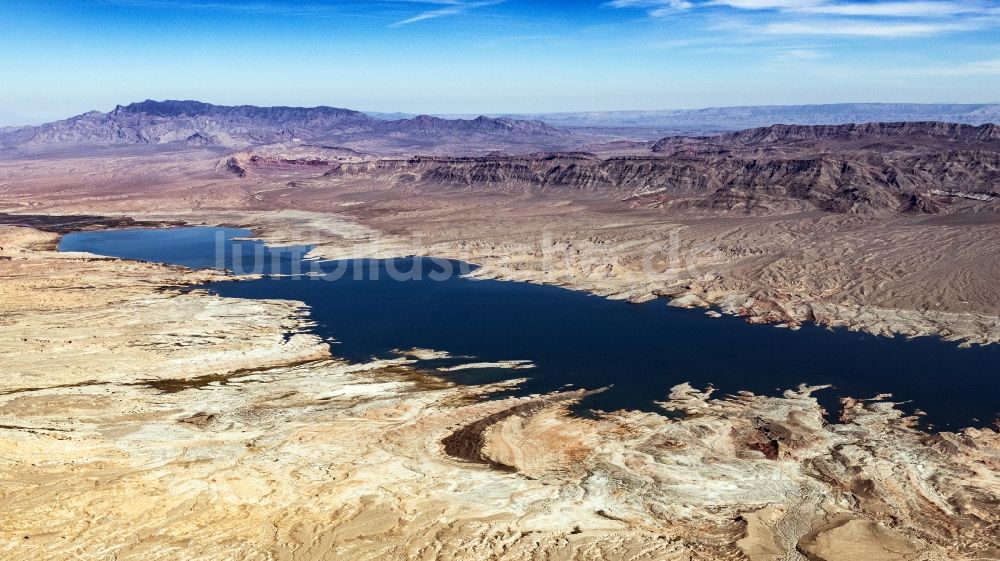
column 60, row 58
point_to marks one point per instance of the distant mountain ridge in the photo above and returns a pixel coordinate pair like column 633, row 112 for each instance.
column 198, row 123
column 930, row 129
column 878, row 137
column 744, row 117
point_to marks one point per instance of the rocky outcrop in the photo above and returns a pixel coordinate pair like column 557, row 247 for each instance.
column 288, row 155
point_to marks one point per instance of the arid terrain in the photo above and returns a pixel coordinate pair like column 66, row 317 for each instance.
column 889, row 228
column 143, row 420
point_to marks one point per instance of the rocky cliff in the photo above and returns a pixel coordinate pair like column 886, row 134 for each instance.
column 878, row 167
column 867, row 137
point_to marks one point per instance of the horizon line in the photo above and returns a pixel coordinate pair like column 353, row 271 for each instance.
column 36, row 122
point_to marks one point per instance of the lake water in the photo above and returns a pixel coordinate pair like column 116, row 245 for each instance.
column 639, row 350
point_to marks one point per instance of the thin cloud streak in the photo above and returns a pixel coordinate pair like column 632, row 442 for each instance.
column 450, row 9
column 863, row 29
column 348, row 8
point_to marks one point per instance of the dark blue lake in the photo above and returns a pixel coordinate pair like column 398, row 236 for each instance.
column 641, row 350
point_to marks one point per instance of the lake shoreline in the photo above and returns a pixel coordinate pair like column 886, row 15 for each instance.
column 328, row 448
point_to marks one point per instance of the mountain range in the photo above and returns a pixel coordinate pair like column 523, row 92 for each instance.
column 196, row 123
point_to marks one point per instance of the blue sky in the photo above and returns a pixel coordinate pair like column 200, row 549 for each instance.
column 59, row 58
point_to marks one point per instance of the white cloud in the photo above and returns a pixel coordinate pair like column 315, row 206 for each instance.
column 657, row 7
column 672, row 6
column 876, row 18
column 767, row 4
column 878, row 8
column 891, row 9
